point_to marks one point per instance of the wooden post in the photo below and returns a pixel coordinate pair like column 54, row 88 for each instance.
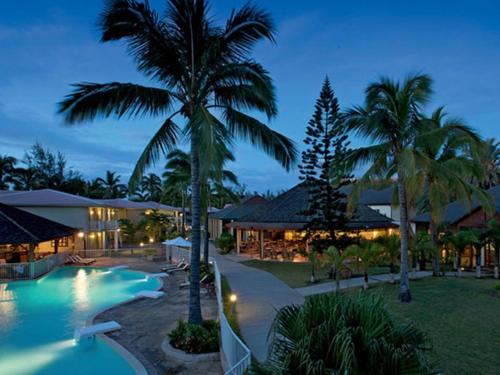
column 261, row 235
column 56, row 245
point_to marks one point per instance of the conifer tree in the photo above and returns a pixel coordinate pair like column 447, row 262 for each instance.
column 324, row 171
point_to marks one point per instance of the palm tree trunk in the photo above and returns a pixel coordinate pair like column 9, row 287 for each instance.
column 478, row 263
column 183, row 220
column 205, row 245
column 435, row 256
column 459, row 266
column 194, row 290
column 404, row 284
column 365, row 280
column 497, row 258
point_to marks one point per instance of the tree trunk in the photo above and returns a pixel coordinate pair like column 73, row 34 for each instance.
column 497, row 259
column 459, row 267
column 365, row 281
column 183, row 220
column 205, row 244
column 435, row 255
column 391, row 272
column 194, row 290
column 478, row 263
column 404, row 284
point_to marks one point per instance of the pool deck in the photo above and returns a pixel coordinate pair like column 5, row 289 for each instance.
column 146, row 322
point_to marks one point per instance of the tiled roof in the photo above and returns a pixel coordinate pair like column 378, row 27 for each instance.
column 45, row 198
column 19, row 227
column 458, row 210
column 238, row 211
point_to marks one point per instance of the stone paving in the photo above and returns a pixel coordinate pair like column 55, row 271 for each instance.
column 146, row 322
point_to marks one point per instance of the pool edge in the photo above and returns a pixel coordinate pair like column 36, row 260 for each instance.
column 132, row 360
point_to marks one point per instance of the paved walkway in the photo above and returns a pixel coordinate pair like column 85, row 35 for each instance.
column 260, row 295
column 355, row 282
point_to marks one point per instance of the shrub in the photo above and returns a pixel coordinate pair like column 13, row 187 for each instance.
column 496, row 287
column 336, row 334
column 225, row 243
column 196, row 339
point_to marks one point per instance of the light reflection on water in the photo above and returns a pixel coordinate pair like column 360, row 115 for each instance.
column 38, row 319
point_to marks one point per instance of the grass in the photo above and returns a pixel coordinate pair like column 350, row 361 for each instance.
column 297, row 275
column 230, row 307
column 461, row 318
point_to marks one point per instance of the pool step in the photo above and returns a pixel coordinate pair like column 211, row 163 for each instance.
column 149, row 294
column 117, row 268
column 160, row 274
column 90, row 331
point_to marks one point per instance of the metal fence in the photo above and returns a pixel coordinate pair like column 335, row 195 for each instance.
column 235, row 355
column 27, row 271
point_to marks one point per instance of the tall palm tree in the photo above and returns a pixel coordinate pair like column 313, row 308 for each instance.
column 177, row 177
column 390, row 120
column 446, row 165
column 458, row 242
column 366, row 254
column 151, row 185
column 112, row 186
column 7, row 165
column 204, row 76
column 488, row 154
column 25, row 178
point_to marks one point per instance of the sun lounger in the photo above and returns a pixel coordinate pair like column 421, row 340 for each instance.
column 187, row 283
column 90, row 331
column 173, row 266
column 84, row 260
column 183, row 268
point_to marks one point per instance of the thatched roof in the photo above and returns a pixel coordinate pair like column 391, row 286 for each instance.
column 20, row 227
column 238, row 211
column 457, row 210
column 286, row 212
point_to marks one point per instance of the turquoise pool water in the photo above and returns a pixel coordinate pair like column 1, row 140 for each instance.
column 38, row 319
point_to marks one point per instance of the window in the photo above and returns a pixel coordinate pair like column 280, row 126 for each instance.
column 61, row 242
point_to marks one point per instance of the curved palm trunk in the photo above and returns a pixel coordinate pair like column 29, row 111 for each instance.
column 194, row 290
column 404, row 284
column 434, row 241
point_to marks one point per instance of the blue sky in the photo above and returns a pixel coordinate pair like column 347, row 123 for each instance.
column 47, row 45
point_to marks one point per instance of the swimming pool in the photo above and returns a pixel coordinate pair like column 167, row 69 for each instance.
column 38, row 319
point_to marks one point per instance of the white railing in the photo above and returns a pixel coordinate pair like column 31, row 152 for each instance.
column 235, row 355
column 27, row 270
column 122, row 252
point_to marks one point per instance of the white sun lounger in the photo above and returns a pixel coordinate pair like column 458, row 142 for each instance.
column 89, row 331
column 149, row 294
column 84, row 261
column 173, row 266
column 183, row 268
column 160, row 274
column 187, row 283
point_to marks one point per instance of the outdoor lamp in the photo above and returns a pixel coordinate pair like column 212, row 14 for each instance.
column 233, row 298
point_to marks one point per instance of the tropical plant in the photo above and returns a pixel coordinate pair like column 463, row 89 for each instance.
column 205, row 76
column 458, row 242
column 193, row 338
column 151, row 185
column 155, row 224
column 339, row 334
column 128, row 231
column 492, row 236
column 315, row 262
column 336, row 260
column 422, row 248
column 225, row 243
column 111, row 186
column 445, row 163
column 323, row 170
column 365, row 255
column 25, row 179
column 488, row 154
column 7, row 166
column 391, row 121
column 390, row 245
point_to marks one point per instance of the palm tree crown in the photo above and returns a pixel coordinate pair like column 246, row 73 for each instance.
column 204, row 74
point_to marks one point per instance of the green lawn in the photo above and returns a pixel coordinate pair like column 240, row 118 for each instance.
column 461, row 318
column 297, row 275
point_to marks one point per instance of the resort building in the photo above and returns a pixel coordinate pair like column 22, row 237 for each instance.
column 218, row 221
column 25, row 237
column 275, row 229
column 459, row 216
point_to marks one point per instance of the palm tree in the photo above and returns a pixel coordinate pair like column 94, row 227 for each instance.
column 25, row 178
column 339, row 334
column 177, row 178
column 336, row 260
column 151, row 185
column 367, row 254
column 7, row 165
column 390, row 245
column 458, row 242
column 488, row 154
column 390, row 119
column 492, row 235
column 204, row 76
column 111, row 186
column 445, row 164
